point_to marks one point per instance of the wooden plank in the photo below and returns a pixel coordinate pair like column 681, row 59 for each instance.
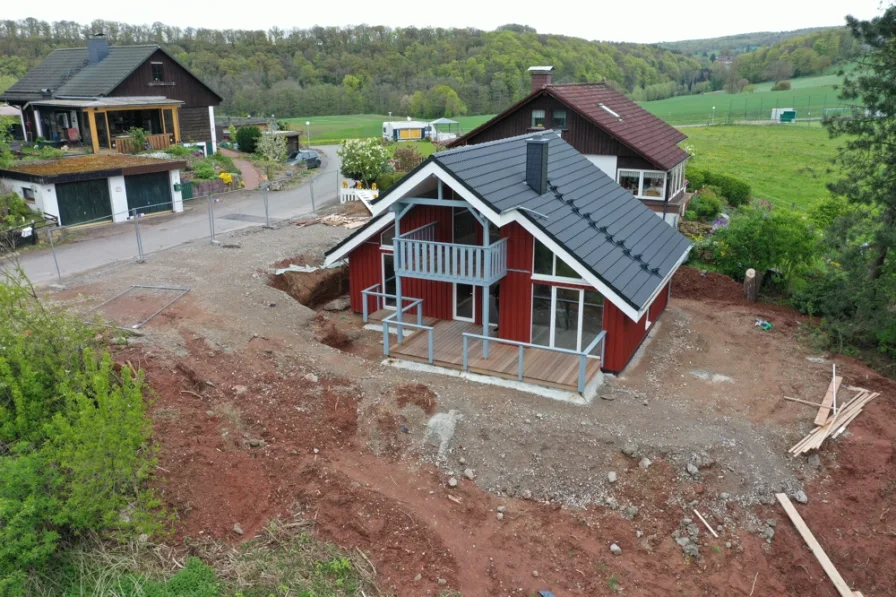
column 706, row 524
column 828, row 401
column 813, row 544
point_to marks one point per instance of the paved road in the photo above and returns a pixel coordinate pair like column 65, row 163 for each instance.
column 112, row 243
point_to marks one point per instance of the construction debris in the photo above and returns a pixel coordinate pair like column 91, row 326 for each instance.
column 307, row 269
column 835, row 425
column 349, row 222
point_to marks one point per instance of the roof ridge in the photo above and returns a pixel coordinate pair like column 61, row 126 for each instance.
column 465, row 148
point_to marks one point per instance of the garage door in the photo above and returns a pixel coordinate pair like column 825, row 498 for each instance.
column 148, row 193
column 82, row 202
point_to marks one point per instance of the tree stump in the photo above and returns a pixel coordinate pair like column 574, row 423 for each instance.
column 752, row 281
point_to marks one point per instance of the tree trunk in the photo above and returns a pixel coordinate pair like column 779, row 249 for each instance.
column 752, row 281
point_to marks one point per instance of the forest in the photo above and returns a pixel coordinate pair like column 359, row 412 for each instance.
column 732, row 45
column 365, row 69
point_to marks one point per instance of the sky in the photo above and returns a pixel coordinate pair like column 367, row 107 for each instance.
column 642, row 21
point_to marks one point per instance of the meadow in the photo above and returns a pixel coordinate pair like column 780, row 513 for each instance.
column 788, row 165
column 333, row 129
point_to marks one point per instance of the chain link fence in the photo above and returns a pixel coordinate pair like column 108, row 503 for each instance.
column 759, row 108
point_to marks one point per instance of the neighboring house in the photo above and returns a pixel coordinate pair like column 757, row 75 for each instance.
column 96, row 188
column 566, row 267
column 223, row 125
column 631, row 145
column 95, row 95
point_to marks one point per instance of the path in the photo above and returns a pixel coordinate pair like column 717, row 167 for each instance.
column 116, row 243
column 250, row 175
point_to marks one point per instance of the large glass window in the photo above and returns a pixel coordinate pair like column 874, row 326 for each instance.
column 548, row 264
column 541, row 314
column 592, row 318
column 630, row 180
column 158, row 71
column 169, row 121
column 387, row 236
column 102, row 133
column 643, row 183
column 566, row 318
column 389, row 286
column 569, row 318
column 537, row 118
column 558, row 120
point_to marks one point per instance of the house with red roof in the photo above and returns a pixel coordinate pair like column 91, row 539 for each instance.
column 632, row 146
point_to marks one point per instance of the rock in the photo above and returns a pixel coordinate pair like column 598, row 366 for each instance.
column 210, row 413
column 500, row 516
column 728, row 544
column 639, row 534
column 501, row 509
column 771, row 522
column 237, row 529
column 338, row 304
column 316, row 451
column 257, row 443
column 817, row 360
column 442, row 582
column 814, row 460
column 468, row 473
column 691, row 550
column 645, row 463
column 452, row 482
column 535, row 573
column 239, row 390
column 631, row 512
column 645, row 403
column 418, row 577
column 692, row 469
column 607, row 397
column 143, row 538
column 693, row 530
column 800, row 496
column 462, row 460
column 682, row 541
column 312, row 378
column 611, row 476
column 615, row 550
column 724, row 496
column 630, row 450
column 527, row 495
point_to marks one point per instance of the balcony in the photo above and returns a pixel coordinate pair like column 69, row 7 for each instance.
column 126, row 144
column 418, row 255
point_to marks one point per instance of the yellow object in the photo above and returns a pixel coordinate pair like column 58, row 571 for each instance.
column 226, row 177
column 358, row 185
column 344, row 184
column 373, row 186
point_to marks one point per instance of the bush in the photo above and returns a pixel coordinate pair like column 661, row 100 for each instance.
column 14, row 211
column 204, row 170
column 781, row 86
column 74, row 433
column 764, row 240
column 179, row 151
column 272, row 147
column 247, row 137
column 734, row 190
column 224, row 163
column 406, row 158
column 387, row 180
column 363, row 159
column 705, row 206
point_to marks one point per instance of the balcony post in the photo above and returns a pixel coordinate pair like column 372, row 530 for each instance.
column 398, row 258
column 486, row 287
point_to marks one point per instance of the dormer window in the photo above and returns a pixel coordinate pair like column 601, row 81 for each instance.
column 537, row 119
column 158, row 72
column 558, row 120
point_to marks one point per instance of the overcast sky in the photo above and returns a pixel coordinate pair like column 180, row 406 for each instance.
column 642, row 21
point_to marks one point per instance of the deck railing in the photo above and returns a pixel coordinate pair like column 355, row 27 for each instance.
column 347, row 194
column 449, row 262
column 522, row 346
column 128, row 145
column 374, row 291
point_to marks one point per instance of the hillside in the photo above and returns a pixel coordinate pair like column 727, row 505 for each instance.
column 733, row 45
column 365, row 69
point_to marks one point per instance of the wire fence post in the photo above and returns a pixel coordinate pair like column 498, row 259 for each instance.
column 55, row 259
column 313, row 206
column 337, row 186
column 136, row 217
column 211, row 219
column 267, row 217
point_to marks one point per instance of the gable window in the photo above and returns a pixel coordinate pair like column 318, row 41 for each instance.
column 548, row 265
column 538, row 119
column 386, row 237
column 158, row 72
column 644, row 184
column 558, row 120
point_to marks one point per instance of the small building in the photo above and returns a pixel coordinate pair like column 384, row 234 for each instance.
column 632, row 146
column 405, row 130
column 96, row 188
column 96, row 94
column 518, row 258
column 443, row 130
column 293, row 139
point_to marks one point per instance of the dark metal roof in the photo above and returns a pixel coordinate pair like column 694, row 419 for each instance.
column 612, row 234
column 648, row 135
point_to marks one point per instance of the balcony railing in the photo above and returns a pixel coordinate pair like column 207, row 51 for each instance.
column 417, row 256
column 128, row 145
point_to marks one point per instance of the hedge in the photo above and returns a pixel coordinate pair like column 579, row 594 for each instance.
column 736, row 191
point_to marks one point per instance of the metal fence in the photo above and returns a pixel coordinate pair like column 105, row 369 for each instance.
column 205, row 218
column 759, row 108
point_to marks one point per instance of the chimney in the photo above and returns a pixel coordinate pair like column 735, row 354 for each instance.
column 537, row 164
column 97, row 48
column 541, row 76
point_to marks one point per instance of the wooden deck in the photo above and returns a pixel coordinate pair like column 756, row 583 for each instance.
column 541, row 367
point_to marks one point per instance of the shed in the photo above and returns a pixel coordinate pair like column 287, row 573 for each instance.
column 98, row 187
column 441, row 129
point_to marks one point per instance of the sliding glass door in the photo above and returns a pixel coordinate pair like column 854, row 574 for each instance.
column 565, row 317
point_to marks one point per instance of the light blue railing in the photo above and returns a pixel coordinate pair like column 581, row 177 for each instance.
column 449, row 262
column 522, row 346
column 374, row 291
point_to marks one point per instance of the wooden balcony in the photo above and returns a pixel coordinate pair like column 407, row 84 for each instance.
column 418, row 256
column 158, row 142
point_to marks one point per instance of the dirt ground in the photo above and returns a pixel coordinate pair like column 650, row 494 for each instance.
column 255, row 419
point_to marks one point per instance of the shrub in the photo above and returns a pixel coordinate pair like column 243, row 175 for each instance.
column 695, row 179
column 74, row 432
column 406, row 158
column 363, row 159
column 272, row 147
column 49, row 153
column 179, row 151
column 389, row 179
column 204, row 170
column 224, row 163
column 247, row 137
column 734, row 190
column 14, row 211
column 762, row 239
column 781, row 86
column 138, row 139
column 706, row 205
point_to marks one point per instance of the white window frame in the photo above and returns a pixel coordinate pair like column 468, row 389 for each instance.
column 580, row 322
column 454, row 304
column 553, row 277
column 543, row 118
column 383, row 257
column 641, row 173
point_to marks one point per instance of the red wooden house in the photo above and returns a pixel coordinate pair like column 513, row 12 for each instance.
column 518, row 258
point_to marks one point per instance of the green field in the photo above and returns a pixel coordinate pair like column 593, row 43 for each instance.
column 811, row 97
column 358, row 126
column 785, row 164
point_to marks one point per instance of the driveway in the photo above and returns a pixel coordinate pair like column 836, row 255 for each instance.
column 114, row 243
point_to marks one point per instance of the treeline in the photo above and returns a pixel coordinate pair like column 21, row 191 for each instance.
column 798, row 57
column 732, row 45
column 344, row 70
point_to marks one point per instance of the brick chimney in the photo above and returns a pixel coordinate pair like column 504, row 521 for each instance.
column 97, row 48
column 541, row 76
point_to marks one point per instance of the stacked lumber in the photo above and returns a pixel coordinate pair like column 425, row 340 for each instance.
column 834, row 424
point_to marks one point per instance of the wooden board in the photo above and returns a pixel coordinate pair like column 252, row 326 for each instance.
column 813, row 544
column 828, row 402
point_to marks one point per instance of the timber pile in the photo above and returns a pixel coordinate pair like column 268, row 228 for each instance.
column 833, row 425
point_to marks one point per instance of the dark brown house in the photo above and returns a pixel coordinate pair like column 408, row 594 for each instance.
column 631, row 145
column 95, row 95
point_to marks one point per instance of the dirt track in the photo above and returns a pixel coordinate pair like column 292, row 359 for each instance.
column 255, row 419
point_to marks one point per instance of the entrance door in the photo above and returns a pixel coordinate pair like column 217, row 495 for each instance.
column 565, row 317
column 148, row 193
column 465, row 302
column 389, row 280
column 83, row 202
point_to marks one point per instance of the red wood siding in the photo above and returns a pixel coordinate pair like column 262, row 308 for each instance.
column 364, row 270
column 624, row 336
column 437, row 299
column 515, row 292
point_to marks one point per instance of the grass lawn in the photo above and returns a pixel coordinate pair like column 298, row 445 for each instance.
column 810, row 97
column 785, row 164
column 358, row 126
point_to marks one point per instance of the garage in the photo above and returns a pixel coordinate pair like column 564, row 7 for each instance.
column 84, row 201
column 148, row 193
